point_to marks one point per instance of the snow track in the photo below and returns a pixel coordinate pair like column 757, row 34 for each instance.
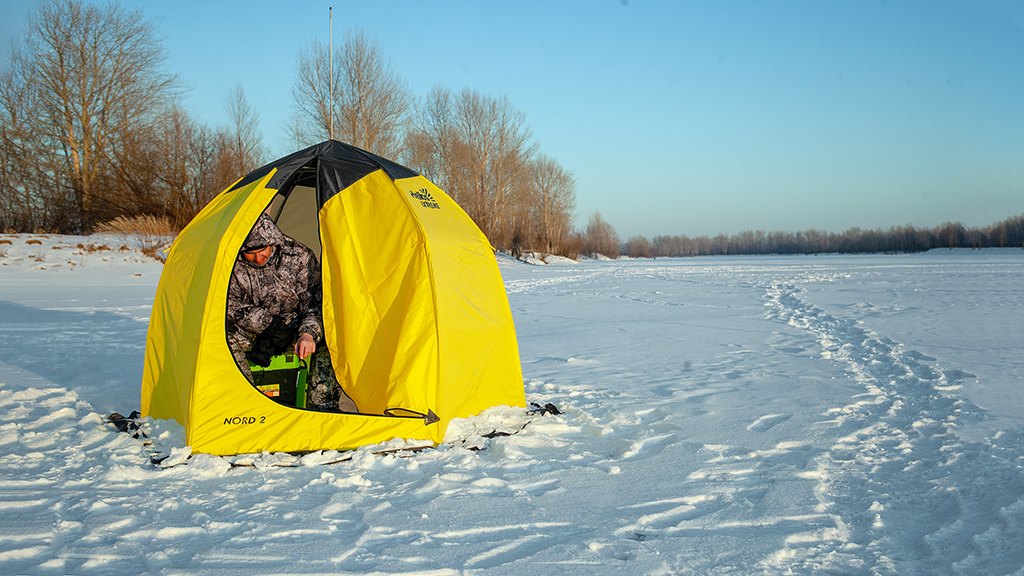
column 904, row 489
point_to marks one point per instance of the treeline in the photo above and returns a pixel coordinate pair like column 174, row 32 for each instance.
column 92, row 129
column 1007, row 233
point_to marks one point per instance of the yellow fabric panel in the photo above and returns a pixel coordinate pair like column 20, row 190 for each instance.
column 479, row 353
column 219, row 384
column 378, row 301
column 179, row 308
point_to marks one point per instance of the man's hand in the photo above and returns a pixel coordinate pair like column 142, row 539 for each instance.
column 305, row 346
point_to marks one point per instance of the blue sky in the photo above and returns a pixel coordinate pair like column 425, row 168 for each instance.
column 680, row 117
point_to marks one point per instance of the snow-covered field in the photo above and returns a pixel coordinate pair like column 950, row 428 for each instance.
column 733, row 415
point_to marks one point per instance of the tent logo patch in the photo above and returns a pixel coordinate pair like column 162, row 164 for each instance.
column 425, row 198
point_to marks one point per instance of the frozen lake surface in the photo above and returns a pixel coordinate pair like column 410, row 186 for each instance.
column 729, row 415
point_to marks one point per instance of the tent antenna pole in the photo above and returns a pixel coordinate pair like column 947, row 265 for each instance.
column 330, row 49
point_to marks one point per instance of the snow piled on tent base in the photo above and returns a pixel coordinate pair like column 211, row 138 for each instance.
column 164, row 440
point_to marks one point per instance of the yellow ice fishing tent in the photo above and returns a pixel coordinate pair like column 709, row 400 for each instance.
column 415, row 312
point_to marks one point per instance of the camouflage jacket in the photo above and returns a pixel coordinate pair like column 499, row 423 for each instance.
column 287, row 288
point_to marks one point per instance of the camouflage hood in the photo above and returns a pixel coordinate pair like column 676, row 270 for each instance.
column 264, row 233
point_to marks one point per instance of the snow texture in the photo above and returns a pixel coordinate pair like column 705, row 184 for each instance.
column 766, row 415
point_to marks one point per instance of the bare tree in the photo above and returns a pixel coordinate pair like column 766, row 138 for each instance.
column 245, row 141
column 96, row 74
column 22, row 205
column 601, row 237
column 370, row 99
column 478, row 149
column 499, row 147
column 638, row 247
column 312, row 95
column 183, row 164
column 953, row 234
column 555, row 203
column 178, row 137
column 374, row 98
column 434, row 146
column 198, row 163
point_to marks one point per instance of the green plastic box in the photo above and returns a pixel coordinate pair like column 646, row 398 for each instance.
column 284, row 380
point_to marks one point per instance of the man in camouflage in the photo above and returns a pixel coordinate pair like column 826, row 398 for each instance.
column 274, row 303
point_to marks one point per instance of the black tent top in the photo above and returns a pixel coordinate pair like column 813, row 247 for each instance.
column 331, row 164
